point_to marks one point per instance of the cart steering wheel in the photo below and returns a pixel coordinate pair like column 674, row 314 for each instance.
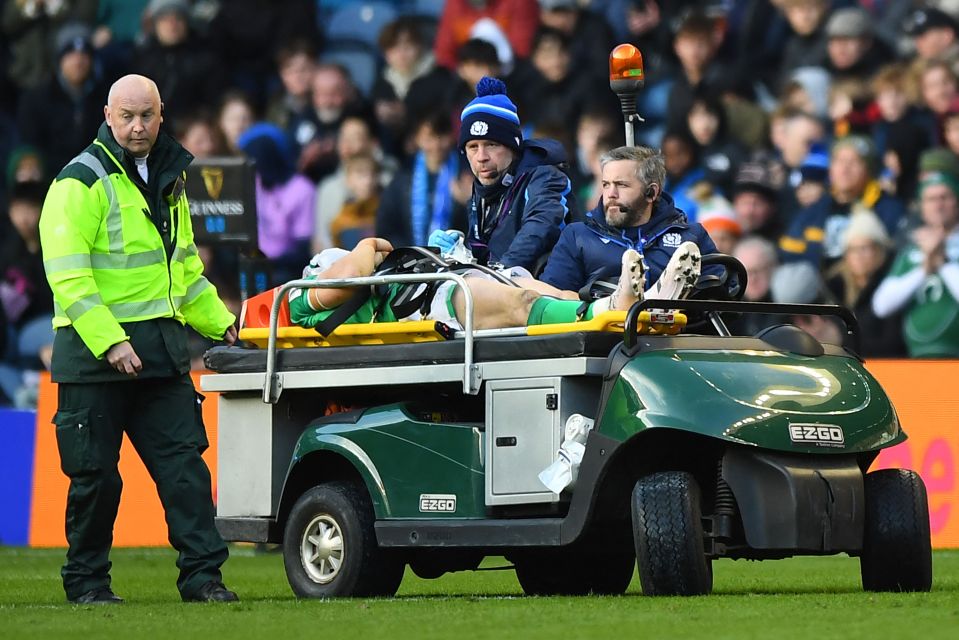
column 728, row 285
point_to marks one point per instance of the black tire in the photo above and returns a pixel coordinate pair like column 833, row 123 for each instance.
column 352, row 565
column 668, row 531
column 896, row 548
column 573, row 573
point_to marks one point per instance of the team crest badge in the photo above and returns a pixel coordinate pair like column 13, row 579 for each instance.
column 672, row 240
column 479, row 128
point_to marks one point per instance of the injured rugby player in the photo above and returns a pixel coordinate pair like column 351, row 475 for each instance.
column 496, row 305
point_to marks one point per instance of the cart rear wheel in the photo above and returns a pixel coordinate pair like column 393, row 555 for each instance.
column 668, row 531
column 896, row 553
column 329, row 546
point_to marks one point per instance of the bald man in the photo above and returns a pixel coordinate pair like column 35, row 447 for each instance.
column 126, row 278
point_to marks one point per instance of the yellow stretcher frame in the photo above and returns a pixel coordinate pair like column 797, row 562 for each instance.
column 651, row 322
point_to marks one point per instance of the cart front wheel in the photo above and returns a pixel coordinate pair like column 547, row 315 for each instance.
column 329, row 546
column 897, row 552
column 668, row 531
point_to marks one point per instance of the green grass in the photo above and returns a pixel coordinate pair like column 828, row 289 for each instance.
column 797, row 598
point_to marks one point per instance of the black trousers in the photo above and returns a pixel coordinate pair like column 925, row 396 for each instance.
column 162, row 418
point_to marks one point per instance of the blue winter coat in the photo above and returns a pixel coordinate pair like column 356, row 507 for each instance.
column 540, row 202
column 592, row 250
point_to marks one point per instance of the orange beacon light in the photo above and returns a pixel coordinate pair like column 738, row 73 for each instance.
column 626, row 77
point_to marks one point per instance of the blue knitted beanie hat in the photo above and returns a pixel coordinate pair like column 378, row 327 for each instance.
column 490, row 116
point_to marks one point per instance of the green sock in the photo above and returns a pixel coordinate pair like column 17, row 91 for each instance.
column 546, row 310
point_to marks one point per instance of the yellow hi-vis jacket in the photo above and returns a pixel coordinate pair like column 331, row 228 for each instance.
column 109, row 262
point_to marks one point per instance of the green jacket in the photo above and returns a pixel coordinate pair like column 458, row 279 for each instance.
column 120, row 259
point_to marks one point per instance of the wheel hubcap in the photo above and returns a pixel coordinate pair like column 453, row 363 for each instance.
column 321, row 549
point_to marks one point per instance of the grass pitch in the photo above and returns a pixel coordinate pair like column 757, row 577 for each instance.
column 797, row 598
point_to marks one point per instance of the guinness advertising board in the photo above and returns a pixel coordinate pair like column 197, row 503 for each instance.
column 222, row 195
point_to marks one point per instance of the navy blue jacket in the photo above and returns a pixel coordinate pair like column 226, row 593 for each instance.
column 815, row 234
column 536, row 206
column 592, row 250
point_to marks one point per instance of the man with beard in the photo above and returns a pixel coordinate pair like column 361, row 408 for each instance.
column 521, row 195
column 634, row 213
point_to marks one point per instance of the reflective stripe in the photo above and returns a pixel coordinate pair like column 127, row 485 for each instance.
column 104, row 261
column 127, row 260
column 81, row 306
column 181, row 254
column 114, row 220
column 122, row 310
column 67, row 263
column 195, row 289
column 90, row 161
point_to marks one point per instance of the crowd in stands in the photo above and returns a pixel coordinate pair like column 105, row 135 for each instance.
column 816, row 140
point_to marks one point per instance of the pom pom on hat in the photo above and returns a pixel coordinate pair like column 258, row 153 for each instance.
column 491, row 115
column 490, row 87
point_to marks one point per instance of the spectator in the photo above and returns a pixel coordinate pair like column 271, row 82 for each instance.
column 950, row 130
column 808, row 91
column 755, row 201
column 802, row 283
column 807, row 46
column 852, row 49
column 815, row 235
column 933, row 33
column 25, row 296
column 902, row 129
column 30, row 27
column 759, row 259
column 355, row 137
column 118, row 29
column 186, row 71
column 62, row 114
column 695, row 46
column 333, row 97
column 419, row 199
column 591, row 194
column 939, row 88
column 851, row 108
column 200, row 136
column 246, row 35
column 408, row 58
column 25, row 165
column 235, row 116
column 549, row 93
column 720, row 154
column 923, row 283
column 814, row 176
column 289, row 109
column 792, row 133
column 476, row 59
column 516, row 18
column 854, row 279
column 685, row 176
column 596, row 124
column 718, row 218
column 357, row 218
column 590, row 38
column 284, row 201
column 647, row 24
